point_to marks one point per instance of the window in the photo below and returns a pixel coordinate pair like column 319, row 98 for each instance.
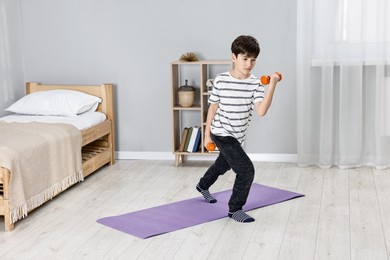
column 351, row 30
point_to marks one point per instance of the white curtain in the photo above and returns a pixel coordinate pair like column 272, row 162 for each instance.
column 343, row 83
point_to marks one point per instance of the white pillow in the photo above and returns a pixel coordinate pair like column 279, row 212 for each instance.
column 59, row 102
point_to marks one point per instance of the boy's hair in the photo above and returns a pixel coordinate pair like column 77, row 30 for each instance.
column 246, row 44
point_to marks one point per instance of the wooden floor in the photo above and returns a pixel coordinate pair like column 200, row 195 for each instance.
column 344, row 215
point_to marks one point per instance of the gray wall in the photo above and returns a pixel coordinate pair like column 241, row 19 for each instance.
column 11, row 54
column 131, row 43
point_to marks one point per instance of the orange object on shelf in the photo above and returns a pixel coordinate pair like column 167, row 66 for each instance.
column 266, row 79
column 210, row 147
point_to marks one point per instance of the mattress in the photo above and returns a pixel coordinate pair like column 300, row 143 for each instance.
column 81, row 122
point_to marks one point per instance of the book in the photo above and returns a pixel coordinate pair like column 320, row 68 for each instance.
column 183, row 139
column 187, row 139
column 215, row 151
column 197, row 141
column 191, row 143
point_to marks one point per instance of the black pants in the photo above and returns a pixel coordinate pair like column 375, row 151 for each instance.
column 231, row 156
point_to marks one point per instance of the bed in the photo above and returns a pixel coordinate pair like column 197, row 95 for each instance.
column 96, row 147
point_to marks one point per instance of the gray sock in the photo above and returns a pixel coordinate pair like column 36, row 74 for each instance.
column 240, row 216
column 206, row 195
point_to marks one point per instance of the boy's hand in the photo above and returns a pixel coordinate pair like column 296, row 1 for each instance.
column 207, row 140
column 275, row 78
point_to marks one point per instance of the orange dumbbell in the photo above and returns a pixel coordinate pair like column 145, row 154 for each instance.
column 211, row 147
column 266, row 79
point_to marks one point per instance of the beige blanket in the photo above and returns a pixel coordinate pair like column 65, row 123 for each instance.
column 44, row 159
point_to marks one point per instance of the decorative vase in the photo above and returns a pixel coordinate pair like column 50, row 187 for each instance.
column 186, row 95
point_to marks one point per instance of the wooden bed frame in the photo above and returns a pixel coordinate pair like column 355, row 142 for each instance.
column 98, row 142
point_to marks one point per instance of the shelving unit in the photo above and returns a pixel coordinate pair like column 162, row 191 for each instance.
column 207, row 69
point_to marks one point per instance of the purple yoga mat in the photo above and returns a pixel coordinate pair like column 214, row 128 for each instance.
column 174, row 216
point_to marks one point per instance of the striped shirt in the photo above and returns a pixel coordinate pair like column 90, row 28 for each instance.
column 236, row 99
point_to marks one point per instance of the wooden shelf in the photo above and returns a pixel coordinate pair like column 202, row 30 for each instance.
column 204, row 67
column 194, row 107
column 196, row 153
column 202, row 62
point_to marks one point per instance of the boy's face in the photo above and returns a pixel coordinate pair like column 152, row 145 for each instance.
column 243, row 64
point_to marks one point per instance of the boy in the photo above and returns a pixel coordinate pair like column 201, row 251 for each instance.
column 235, row 95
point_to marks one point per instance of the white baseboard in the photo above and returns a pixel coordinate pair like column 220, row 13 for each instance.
column 144, row 155
column 273, row 157
column 276, row 157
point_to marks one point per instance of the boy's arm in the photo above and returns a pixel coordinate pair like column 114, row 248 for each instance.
column 210, row 115
column 262, row 107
